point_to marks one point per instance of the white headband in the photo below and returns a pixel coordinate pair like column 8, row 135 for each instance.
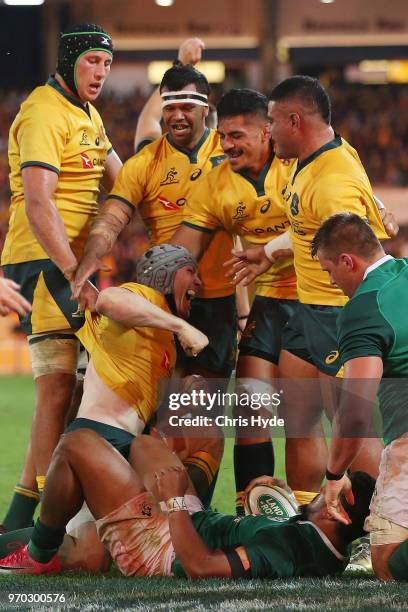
column 183, row 97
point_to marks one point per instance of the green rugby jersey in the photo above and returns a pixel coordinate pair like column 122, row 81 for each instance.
column 374, row 323
column 274, row 549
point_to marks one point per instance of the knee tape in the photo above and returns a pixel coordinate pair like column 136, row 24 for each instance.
column 53, row 353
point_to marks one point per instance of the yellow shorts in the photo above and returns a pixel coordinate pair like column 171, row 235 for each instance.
column 137, row 536
column 45, row 287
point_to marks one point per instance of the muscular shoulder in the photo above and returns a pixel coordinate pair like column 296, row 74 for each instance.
column 153, row 296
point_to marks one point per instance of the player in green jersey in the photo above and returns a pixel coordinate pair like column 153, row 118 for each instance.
column 373, row 345
column 152, row 522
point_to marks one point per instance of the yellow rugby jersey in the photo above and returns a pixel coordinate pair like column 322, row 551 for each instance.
column 131, row 362
column 159, row 181
column 53, row 130
column 330, row 181
column 248, row 208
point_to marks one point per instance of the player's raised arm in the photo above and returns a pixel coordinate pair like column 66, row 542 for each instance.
column 148, row 126
column 111, row 219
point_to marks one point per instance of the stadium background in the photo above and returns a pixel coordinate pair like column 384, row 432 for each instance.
column 358, row 49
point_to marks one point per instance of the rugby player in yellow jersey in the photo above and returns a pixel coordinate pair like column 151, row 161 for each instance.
column 130, row 341
column 59, row 154
column 159, row 181
column 241, row 195
column 328, row 178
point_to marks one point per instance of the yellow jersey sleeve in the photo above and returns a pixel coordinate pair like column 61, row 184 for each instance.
column 328, row 200
column 130, row 183
column 41, row 136
column 131, row 361
column 199, row 210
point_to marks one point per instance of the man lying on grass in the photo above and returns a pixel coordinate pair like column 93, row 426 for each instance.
column 152, row 523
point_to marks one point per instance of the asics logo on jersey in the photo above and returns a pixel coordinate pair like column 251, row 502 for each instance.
column 240, row 211
column 331, row 357
column 266, row 206
column 86, row 162
column 105, row 41
column 170, row 177
column 294, row 205
column 196, row 174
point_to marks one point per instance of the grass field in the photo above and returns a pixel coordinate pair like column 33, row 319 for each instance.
column 113, row 592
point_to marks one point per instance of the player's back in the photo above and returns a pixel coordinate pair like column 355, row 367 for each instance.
column 330, row 181
column 374, row 324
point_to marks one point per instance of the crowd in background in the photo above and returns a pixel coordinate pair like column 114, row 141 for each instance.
column 374, row 119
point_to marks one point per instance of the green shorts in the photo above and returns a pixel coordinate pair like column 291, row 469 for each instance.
column 119, row 438
column 311, row 335
column 262, row 336
column 217, row 318
column 46, row 288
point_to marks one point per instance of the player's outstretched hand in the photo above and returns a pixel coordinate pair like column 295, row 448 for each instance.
column 332, row 492
column 87, row 298
column 246, row 265
column 11, row 300
column 390, row 223
column 171, row 481
column 88, row 266
column 192, row 340
column 190, row 51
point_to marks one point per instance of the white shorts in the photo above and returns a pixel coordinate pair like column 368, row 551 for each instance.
column 388, row 520
column 137, row 536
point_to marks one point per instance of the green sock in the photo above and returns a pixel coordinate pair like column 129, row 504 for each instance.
column 45, row 542
column 9, row 542
column 22, row 507
column 398, row 562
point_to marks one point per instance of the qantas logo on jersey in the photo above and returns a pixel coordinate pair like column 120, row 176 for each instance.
column 270, row 229
column 168, row 205
column 170, row 178
column 86, row 162
column 165, row 364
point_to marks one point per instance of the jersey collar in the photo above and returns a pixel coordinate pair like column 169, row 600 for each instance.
column 376, row 264
column 333, row 144
column 54, row 83
column 259, row 183
column 325, row 539
column 192, row 155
